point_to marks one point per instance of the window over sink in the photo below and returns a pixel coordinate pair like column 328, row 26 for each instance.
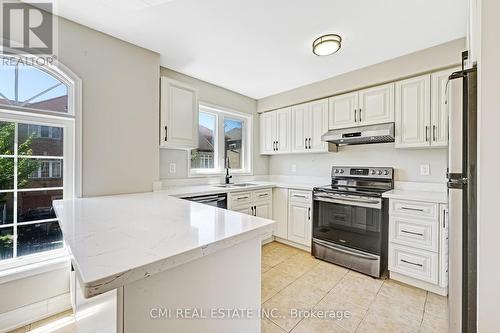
column 223, row 139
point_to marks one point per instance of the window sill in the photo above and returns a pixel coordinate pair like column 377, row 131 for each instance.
column 24, row 267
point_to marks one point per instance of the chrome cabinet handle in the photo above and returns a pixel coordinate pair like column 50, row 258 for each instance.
column 263, row 195
column 413, row 209
column 251, row 207
column 305, row 143
column 411, row 263
column 412, row 233
column 426, row 133
column 241, row 198
column 277, row 145
column 254, row 210
column 309, row 213
column 299, row 196
column 309, row 143
column 166, row 132
column 355, row 115
column 434, row 133
column 359, row 114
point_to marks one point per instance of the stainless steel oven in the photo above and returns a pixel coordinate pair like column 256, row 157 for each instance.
column 350, row 219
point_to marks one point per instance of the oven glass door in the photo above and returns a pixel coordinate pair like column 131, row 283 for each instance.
column 353, row 226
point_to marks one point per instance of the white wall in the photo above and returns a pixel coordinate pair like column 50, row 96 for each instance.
column 218, row 96
column 489, row 162
column 406, row 162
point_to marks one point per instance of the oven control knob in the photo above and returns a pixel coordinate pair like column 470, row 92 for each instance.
column 372, row 172
column 341, row 170
column 386, row 172
column 379, row 172
column 336, row 171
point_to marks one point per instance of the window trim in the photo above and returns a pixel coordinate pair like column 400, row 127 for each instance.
column 73, row 188
column 221, row 114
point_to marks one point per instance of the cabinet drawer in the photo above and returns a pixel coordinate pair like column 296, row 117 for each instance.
column 240, row 198
column 414, row 208
column 422, row 234
column 262, row 195
column 418, row 264
column 300, row 196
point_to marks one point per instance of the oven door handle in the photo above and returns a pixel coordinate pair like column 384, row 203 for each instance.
column 365, row 203
column 346, row 250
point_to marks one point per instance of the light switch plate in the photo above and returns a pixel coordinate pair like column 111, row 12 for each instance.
column 425, row 169
column 172, row 167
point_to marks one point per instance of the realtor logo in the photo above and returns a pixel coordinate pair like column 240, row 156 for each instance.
column 27, row 28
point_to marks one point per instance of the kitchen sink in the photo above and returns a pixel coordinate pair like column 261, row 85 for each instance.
column 236, row 185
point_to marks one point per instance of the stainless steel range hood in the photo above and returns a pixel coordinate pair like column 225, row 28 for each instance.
column 361, row 135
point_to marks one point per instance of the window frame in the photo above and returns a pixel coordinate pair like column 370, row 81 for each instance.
column 71, row 169
column 221, row 114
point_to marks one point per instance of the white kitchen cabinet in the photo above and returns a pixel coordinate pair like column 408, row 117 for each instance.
column 422, row 107
column 413, row 112
column 309, row 123
column 263, row 209
column 275, row 132
column 418, row 244
column 299, row 218
column 280, row 212
column 342, row 112
column 179, row 115
column 376, row 105
column 365, row 107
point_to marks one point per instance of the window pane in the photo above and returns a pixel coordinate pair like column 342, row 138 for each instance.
column 38, row 237
column 233, row 142
column 36, row 88
column 7, row 131
column 6, row 208
column 203, row 157
column 36, row 205
column 39, row 173
column 40, row 140
column 6, row 173
column 6, row 243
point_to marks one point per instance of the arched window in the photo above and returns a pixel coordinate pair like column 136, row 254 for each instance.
column 37, row 156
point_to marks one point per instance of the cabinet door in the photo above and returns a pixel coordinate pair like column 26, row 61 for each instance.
column 318, row 125
column 244, row 209
column 267, row 132
column 179, row 114
column 376, row 105
column 342, row 111
column 263, row 209
column 280, row 212
column 413, row 112
column 440, row 107
column 299, row 223
column 300, row 125
column 283, row 130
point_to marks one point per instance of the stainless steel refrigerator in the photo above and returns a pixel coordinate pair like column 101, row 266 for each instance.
column 462, row 195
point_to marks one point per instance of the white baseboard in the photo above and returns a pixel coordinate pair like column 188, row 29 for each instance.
column 34, row 312
column 419, row 284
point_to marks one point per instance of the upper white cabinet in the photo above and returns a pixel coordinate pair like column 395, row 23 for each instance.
column 422, row 107
column 275, row 127
column 309, row 123
column 179, row 114
column 365, row 107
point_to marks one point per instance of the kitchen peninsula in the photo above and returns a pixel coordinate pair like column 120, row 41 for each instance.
column 136, row 256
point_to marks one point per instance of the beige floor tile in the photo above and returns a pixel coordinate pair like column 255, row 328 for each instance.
column 357, row 289
column 310, row 325
column 266, row 293
column 296, row 266
column 324, row 276
column 385, row 323
column 404, row 294
column 281, row 306
column 264, row 268
column 432, row 324
column 272, row 260
column 304, row 293
column 349, row 315
column 396, row 307
column 23, row 329
column 276, row 279
column 436, row 305
column 268, row 326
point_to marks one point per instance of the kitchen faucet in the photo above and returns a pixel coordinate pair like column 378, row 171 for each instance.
column 228, row 177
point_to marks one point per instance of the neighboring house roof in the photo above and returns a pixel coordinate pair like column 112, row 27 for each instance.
column 58, row 104
column 234, row 134
column 205, row 139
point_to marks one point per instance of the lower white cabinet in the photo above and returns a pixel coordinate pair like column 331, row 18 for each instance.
column 280, row 212
column 300, row 217
column 418, row 244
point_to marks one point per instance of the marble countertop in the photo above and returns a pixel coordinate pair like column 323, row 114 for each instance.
column 416, row 195
column 119, row 239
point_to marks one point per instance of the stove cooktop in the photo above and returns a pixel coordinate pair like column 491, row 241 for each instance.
column 376, row 192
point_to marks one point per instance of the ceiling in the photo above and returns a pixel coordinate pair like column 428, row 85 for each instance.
column 262, row 47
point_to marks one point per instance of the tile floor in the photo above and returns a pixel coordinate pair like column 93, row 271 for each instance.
column 292, row 279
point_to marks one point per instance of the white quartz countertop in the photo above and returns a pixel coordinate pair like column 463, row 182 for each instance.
column 416, row 195
column 115, row 240
column 195, row 190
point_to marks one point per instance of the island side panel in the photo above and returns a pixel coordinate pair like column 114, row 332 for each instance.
column 228, row 279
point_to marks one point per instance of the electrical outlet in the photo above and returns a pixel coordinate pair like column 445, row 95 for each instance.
column 425, row 169
column 294, row 167
column 172, row 167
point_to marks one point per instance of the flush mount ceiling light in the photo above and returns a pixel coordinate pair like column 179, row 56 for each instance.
column 326, row 44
